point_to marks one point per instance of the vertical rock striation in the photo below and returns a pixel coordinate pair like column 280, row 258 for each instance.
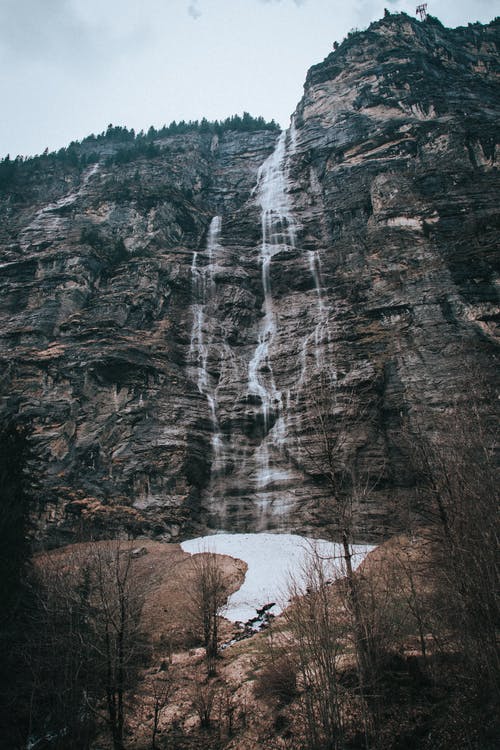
column 168, row 324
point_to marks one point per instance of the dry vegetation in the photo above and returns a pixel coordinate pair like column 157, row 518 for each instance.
column 167, row 690
column 165, row 573
column 122, row 646
column 295, row 685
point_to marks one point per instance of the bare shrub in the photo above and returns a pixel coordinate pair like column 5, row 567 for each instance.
column 204, row 696
column 227, row 710
column 277, row 680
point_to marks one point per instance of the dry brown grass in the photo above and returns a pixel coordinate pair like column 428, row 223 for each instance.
column 165, row 573
column 179, row 659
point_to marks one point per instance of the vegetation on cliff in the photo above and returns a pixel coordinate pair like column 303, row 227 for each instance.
column 125, row 145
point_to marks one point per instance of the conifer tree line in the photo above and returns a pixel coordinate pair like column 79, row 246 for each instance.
column 129, row 144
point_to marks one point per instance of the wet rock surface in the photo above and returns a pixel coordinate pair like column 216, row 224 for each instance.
column 165, row 323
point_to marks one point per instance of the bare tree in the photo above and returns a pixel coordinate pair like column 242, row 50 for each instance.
column 318, row 639
column 208, row 597
column 56, row 653
column 161, row 689
column 457, row 469
column 337, row 425
column 116, row 638
column 409, row 580
column 85, row 643
column 452, row 593
column 17, row 506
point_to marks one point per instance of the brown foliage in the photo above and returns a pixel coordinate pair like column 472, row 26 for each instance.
column 277, row 680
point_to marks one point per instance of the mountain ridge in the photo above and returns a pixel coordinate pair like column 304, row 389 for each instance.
column 168, row 321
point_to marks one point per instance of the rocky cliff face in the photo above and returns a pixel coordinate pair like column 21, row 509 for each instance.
column 176, row 328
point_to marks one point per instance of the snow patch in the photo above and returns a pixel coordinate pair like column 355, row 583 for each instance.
column 272, row 560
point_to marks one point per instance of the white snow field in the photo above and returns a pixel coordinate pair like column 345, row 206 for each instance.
column 272, row 559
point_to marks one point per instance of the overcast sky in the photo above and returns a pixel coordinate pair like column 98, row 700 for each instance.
column 70, row 67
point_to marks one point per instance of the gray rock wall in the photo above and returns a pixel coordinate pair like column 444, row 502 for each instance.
column 168, row 325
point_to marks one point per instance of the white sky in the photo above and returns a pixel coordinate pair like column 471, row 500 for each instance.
column 70, row 67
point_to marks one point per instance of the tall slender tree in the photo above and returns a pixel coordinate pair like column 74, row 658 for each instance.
column 208, row 596
column 16, row 503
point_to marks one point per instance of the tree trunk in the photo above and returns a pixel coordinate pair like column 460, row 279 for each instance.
column 360, row 644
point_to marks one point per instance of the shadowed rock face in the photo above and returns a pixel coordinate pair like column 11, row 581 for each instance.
column 168, row 325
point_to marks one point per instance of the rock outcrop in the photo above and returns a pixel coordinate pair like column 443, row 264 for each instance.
column 174, row 328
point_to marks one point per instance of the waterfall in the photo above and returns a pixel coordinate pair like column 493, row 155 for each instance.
column 320, row 333
column 314, row 266
column 278, row 235
column 203, row 287
column 253, row 482
column 321, row 328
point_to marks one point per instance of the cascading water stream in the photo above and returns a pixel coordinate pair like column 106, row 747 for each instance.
column 321, row 327
column 278, row 235
column 254, row 483
column 321, row 332
column 313, row 343
column 202, row 279
column 314, row 266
